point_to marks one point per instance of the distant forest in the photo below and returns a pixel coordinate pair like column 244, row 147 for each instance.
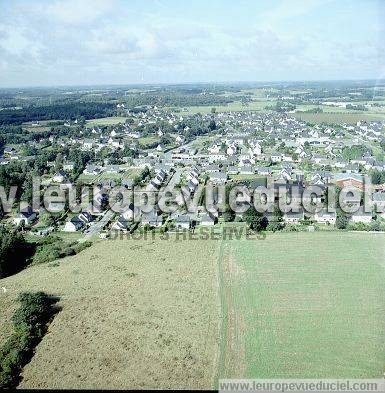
column 17, row 107
column 88, row 110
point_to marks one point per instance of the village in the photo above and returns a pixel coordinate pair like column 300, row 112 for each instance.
column 251, row 148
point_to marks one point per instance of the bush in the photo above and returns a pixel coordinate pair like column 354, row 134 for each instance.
column 14, row 251
column 52, row 248
column 255, row 220
column 30, row 324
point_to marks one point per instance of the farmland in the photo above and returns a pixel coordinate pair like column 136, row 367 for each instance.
column 339, row 117
column 106, row 121
column 182, row 313
column 303, row 306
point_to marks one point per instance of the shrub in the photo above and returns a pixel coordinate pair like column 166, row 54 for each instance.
column 13, row 252
column 30, row 324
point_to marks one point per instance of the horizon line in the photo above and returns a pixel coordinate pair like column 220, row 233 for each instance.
column 190, row 83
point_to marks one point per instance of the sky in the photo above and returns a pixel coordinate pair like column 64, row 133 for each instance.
column 92, row 42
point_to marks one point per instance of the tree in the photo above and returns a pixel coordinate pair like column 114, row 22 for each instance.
column 59, row 162
column 277, row 223
column 228, row 215
column 47, row 219
column 255, row 219
column 13, row 252
column 341, row 220
column 378, row 177
column 212, row 125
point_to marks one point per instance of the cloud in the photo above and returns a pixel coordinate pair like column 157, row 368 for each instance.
column 66, row 41
column 74, row 12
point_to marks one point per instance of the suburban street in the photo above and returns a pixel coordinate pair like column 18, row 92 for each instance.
column 98, row 226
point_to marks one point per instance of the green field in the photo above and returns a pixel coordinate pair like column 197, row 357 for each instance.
column 148, row 140
column 339, row 117
column 303, row 306
column 130, row 173
column 182, row 313
column 232, row 106
column 106, row 121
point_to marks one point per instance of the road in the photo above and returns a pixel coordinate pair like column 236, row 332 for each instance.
column 174, row 179
column 99, row 225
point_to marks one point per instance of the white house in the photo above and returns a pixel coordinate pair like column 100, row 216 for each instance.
column 73, row 225
column 59, row 177
column 183, row 222
column 293, row 217
column 26, row 217
column 324, row 217
column 207, row 220
column 361, row 216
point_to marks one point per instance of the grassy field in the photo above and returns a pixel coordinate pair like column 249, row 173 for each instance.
column 148, row 140
column 303, row 305
column 130, row 173
column 106, row 121
column 146, row 313
column 339, row 117
column 134, row 314
column 232, row 106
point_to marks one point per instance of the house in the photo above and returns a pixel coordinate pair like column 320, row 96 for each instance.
column 275, row 157
column 349, row 180
column 88, row 144
column 86, row 217
column 294, row 217
column 59, row 177
column 132, row 213
column 218, row 177
column 92, row 170
column 25, row 217
column 183, row 222
column 215, row 149
column 55, row 207
column 9, row 152
column 151, row 219
column 73, row 225
column 68, row 166
column 324, row 217
column 246, row 170
column 285, row 174
column 122, row 224
column 361, row 216
column 207, row 220
column 231, row 150
column 263, row 170
column 212, row 168
column 378, row 199
column 232, row 170
column 112, row 169
column 128, row 183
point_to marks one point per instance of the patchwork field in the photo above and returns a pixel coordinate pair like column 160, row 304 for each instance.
column 180, row 314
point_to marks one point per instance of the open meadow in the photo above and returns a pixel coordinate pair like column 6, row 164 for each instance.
column 106, row 121
column 339, row 117
column 303, row 305
column 181, row 314
column 134, row 314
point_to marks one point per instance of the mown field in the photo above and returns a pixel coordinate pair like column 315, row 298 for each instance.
column 106, row 121
column 181, row 314
column 303, row 305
